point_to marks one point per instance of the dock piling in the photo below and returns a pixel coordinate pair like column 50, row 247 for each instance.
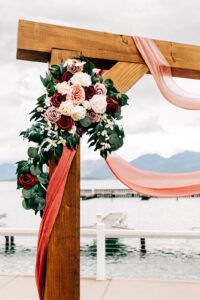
column 9, row 242
column 143, row 245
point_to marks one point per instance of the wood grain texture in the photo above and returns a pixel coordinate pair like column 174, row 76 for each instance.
column 63, row 254
column 125, row 75
column 35, row 41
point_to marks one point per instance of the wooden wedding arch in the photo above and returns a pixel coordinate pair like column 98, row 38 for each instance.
column 118, row 54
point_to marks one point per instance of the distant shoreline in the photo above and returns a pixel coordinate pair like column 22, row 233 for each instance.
column 12, row 179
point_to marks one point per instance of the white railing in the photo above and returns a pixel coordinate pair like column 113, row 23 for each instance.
column 100, row 233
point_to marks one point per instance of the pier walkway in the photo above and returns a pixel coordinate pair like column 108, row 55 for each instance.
column 23, row 288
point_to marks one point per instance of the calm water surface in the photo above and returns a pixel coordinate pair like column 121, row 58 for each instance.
column 174, row 259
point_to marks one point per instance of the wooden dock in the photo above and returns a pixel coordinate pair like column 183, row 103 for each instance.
column 87, row 194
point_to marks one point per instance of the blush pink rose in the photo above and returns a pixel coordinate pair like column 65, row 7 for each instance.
column 94, row 117
column 74, row 66
column 52, row 114
column 100, row 89
column 76, row 94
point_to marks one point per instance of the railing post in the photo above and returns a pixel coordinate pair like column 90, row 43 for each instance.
column 101, row 249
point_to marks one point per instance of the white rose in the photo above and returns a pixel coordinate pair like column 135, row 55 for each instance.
column 98, row 104
column 86, row 104
column 81, row 78
column 78, row 113
column 66, row 108
column 63, row 87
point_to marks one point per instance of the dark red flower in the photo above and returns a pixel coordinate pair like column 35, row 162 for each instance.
column 56, row 99
column 112, row 106
column 89, row 92
column 27, row 181
column 65, row 122
column 66, row 76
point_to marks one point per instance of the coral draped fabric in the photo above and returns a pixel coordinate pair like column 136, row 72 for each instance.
column 53, row 201
column 144, row 182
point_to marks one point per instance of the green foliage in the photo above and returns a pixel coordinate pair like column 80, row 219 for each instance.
column 27, row 194
column 33, row 152
column 34, row 134
column 22, row 167
column 57, row 152
column 123, row 100
column 115, row 141
column 56, row 71
column 39, row 203
column 26, row 203
column 35, row 170
column 88, row 66
column 43, row 178
column 86, row 122
column 48, row 84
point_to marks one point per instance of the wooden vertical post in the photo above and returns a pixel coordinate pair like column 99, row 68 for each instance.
column 62, row 280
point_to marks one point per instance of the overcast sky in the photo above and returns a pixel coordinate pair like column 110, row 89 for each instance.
column 152, row 125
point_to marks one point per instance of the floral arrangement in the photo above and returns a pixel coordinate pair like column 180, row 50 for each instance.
column 77, row 101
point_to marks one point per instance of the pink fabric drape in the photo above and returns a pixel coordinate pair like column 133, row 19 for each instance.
column 53, row 201
column 152, row 183
column 161, row 71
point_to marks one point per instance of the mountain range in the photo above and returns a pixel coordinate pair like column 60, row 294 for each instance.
column 97, row 169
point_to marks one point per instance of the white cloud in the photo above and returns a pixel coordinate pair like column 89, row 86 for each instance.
column 145, row 126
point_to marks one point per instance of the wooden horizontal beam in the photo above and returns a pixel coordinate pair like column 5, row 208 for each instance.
column 35, row 41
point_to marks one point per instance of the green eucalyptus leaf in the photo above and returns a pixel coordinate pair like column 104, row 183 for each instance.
column 115, row 141
column 86, row 122
column 39, row 203
column 33, row 152
column 35, row 170
column 27, row 193
column 26, row 204
column 43, row 178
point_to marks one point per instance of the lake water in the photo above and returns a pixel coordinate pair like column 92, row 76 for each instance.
column 173, row 259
